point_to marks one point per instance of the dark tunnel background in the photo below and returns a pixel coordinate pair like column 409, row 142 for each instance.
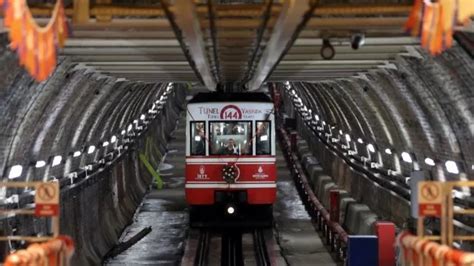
column 418, row 104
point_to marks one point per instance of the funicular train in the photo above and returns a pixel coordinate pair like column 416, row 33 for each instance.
column 230, row 159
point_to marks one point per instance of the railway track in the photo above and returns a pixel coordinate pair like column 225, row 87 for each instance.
column 231, row 252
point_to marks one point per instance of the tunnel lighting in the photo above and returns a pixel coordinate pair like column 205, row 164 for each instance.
column 77, row 154
column 429, row 161
column 230, row 210
column 327, row 51
column 40, row 164
column 105, row 144
column 357, row 40
column 287, row 83
column 333, row 127
column 142, row 117
column 91, row 149
column 264, row 138
column 123, row 132
column 371, row 148
column 360, row 140
column 340, row 132
column 56, row 160
column 135, row 121
column 406, row 157
column 293, row 92
column 348, row 137
column 113, row 139
column 388, row 151
column 324, row 123
column 452, row 167
column 130, row 127
column 316, row 117
column 15, row 171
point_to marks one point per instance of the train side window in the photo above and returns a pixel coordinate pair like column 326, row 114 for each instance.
column 262, row 138
column 198, row 138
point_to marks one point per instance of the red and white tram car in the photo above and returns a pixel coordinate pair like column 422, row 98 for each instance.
column 230, row 158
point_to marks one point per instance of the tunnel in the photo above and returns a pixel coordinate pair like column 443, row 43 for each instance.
column 361, row 115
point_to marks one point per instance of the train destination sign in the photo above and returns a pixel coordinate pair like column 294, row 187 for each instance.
column 47, row 199
column 235, row 111
column 430, row 198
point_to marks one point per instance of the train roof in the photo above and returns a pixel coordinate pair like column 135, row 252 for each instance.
column 230, row 97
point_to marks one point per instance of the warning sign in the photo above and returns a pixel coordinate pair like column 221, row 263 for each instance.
column 47, row 199
column 430, row 198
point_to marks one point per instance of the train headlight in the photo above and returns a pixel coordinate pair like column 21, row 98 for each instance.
column 230, row 210
column 229, row 173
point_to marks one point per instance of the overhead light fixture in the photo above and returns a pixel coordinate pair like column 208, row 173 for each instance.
column 429, row 161
column 348, row 137
column 327, row 50
column 56, row 160
column 406, row 157
column 91, row 149
column 357, row 40
column 40, row 164
column 15, row 171
column 371, row 148
column 452, row 167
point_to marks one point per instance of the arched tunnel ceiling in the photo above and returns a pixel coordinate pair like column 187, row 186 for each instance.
column 139, row 42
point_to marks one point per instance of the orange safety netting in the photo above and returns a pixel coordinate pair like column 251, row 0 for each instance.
column 434, row 21
column 36, row 46
column 416, row 251
column 56, row 252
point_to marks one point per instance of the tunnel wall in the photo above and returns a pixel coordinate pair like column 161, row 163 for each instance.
column 422, row 105
column 105, row 130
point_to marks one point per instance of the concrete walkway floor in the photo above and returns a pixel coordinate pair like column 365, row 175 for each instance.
column 165, row 211
column 297, row 238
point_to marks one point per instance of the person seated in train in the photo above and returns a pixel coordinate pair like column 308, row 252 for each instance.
column 229, row 149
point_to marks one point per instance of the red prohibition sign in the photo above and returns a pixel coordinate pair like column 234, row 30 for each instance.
column 46, row 192
column 430, row 192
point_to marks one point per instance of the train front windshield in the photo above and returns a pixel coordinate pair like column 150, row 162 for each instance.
column 230, row 138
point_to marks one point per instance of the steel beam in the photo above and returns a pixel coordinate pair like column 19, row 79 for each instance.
column 186, row 20
column 292, row 19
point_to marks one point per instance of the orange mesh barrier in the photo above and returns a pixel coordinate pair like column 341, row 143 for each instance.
column 436, row 20
column 416, row 251
column 56, row 252
column 36, row 46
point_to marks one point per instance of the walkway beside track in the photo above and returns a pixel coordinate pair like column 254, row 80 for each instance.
column 298, row 240
column 164, row 210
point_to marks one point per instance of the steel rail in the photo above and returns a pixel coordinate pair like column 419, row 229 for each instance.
column 260, row 247
column 202, row 251
column 231, row 252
